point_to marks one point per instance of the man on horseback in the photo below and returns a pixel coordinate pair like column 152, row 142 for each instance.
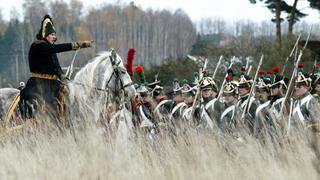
column 47, row 78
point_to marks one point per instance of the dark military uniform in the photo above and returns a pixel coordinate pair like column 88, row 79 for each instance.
column 44, row 84
column 43, row 88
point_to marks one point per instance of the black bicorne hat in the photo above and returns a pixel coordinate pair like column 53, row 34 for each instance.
column 46, row 27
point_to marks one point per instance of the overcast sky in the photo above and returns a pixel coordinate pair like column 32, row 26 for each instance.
column 230, row 10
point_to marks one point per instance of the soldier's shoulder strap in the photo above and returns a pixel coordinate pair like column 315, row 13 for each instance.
column 160, row 104
column 226, row 111
column 306, row 99
column 186, row 113
column 246, row 101
column 261, row 106
column 297, row 108
column 146, row 122
column 178, row 106
column 280, row 100
column 211, row 103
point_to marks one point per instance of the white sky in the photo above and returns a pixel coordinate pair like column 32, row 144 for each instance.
column 230, row 10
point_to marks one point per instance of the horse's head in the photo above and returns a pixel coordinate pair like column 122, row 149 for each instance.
column 119, row 80
column 107, row 71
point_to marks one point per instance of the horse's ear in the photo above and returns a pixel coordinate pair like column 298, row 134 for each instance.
column 130, row 58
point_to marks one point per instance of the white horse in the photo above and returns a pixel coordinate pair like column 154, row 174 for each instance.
column 102, row 89
column 100, row 84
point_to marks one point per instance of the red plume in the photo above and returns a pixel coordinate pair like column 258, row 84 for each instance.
column 205, row 72
column 228, row 78
column 243, row 69
column 276, row 69
column 139, row 69
column 130, row 60
column 261, row 72
column 300, row 65
column 269, row 72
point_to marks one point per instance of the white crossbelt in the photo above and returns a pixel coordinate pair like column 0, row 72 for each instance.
column 297, row 108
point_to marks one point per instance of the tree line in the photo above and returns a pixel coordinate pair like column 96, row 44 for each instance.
column 161, row 38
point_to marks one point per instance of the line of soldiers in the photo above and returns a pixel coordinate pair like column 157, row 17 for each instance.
column 266, row 111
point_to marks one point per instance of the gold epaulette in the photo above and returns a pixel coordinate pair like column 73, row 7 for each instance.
column 44, row 76
column 39, row 41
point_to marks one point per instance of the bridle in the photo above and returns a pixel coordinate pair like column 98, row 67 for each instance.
column 117, row 73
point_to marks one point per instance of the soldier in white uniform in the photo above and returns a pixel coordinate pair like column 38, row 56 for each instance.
column 263, row 121
column 210, row 106
column 278, row 89
column 188, row 94
column 179, row 104
column 306, row 107
column 228, row 113
column 248, row 122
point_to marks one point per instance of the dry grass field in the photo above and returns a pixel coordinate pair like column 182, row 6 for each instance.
column 46, row 153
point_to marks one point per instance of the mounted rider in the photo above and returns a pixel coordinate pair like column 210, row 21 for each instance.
column 43, row 89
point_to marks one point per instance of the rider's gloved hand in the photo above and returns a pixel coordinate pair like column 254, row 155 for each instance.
column 81, row 44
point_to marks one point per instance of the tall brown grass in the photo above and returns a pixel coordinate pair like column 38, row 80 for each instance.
column 47, row 153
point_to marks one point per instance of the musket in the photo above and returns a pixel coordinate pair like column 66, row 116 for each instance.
column 224, row 80
column 246, row 108
column 289, row 89
column 247, row 63
column 216, row 69
column 70, row 68
column 314, row 65
column 249, row 70
column 290, row 55
column 198, row 87
column 289, row 118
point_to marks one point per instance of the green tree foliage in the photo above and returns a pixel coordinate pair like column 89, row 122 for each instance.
column 10, row 48
column 181, row 68
column 315, row 4
column 279, row 6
